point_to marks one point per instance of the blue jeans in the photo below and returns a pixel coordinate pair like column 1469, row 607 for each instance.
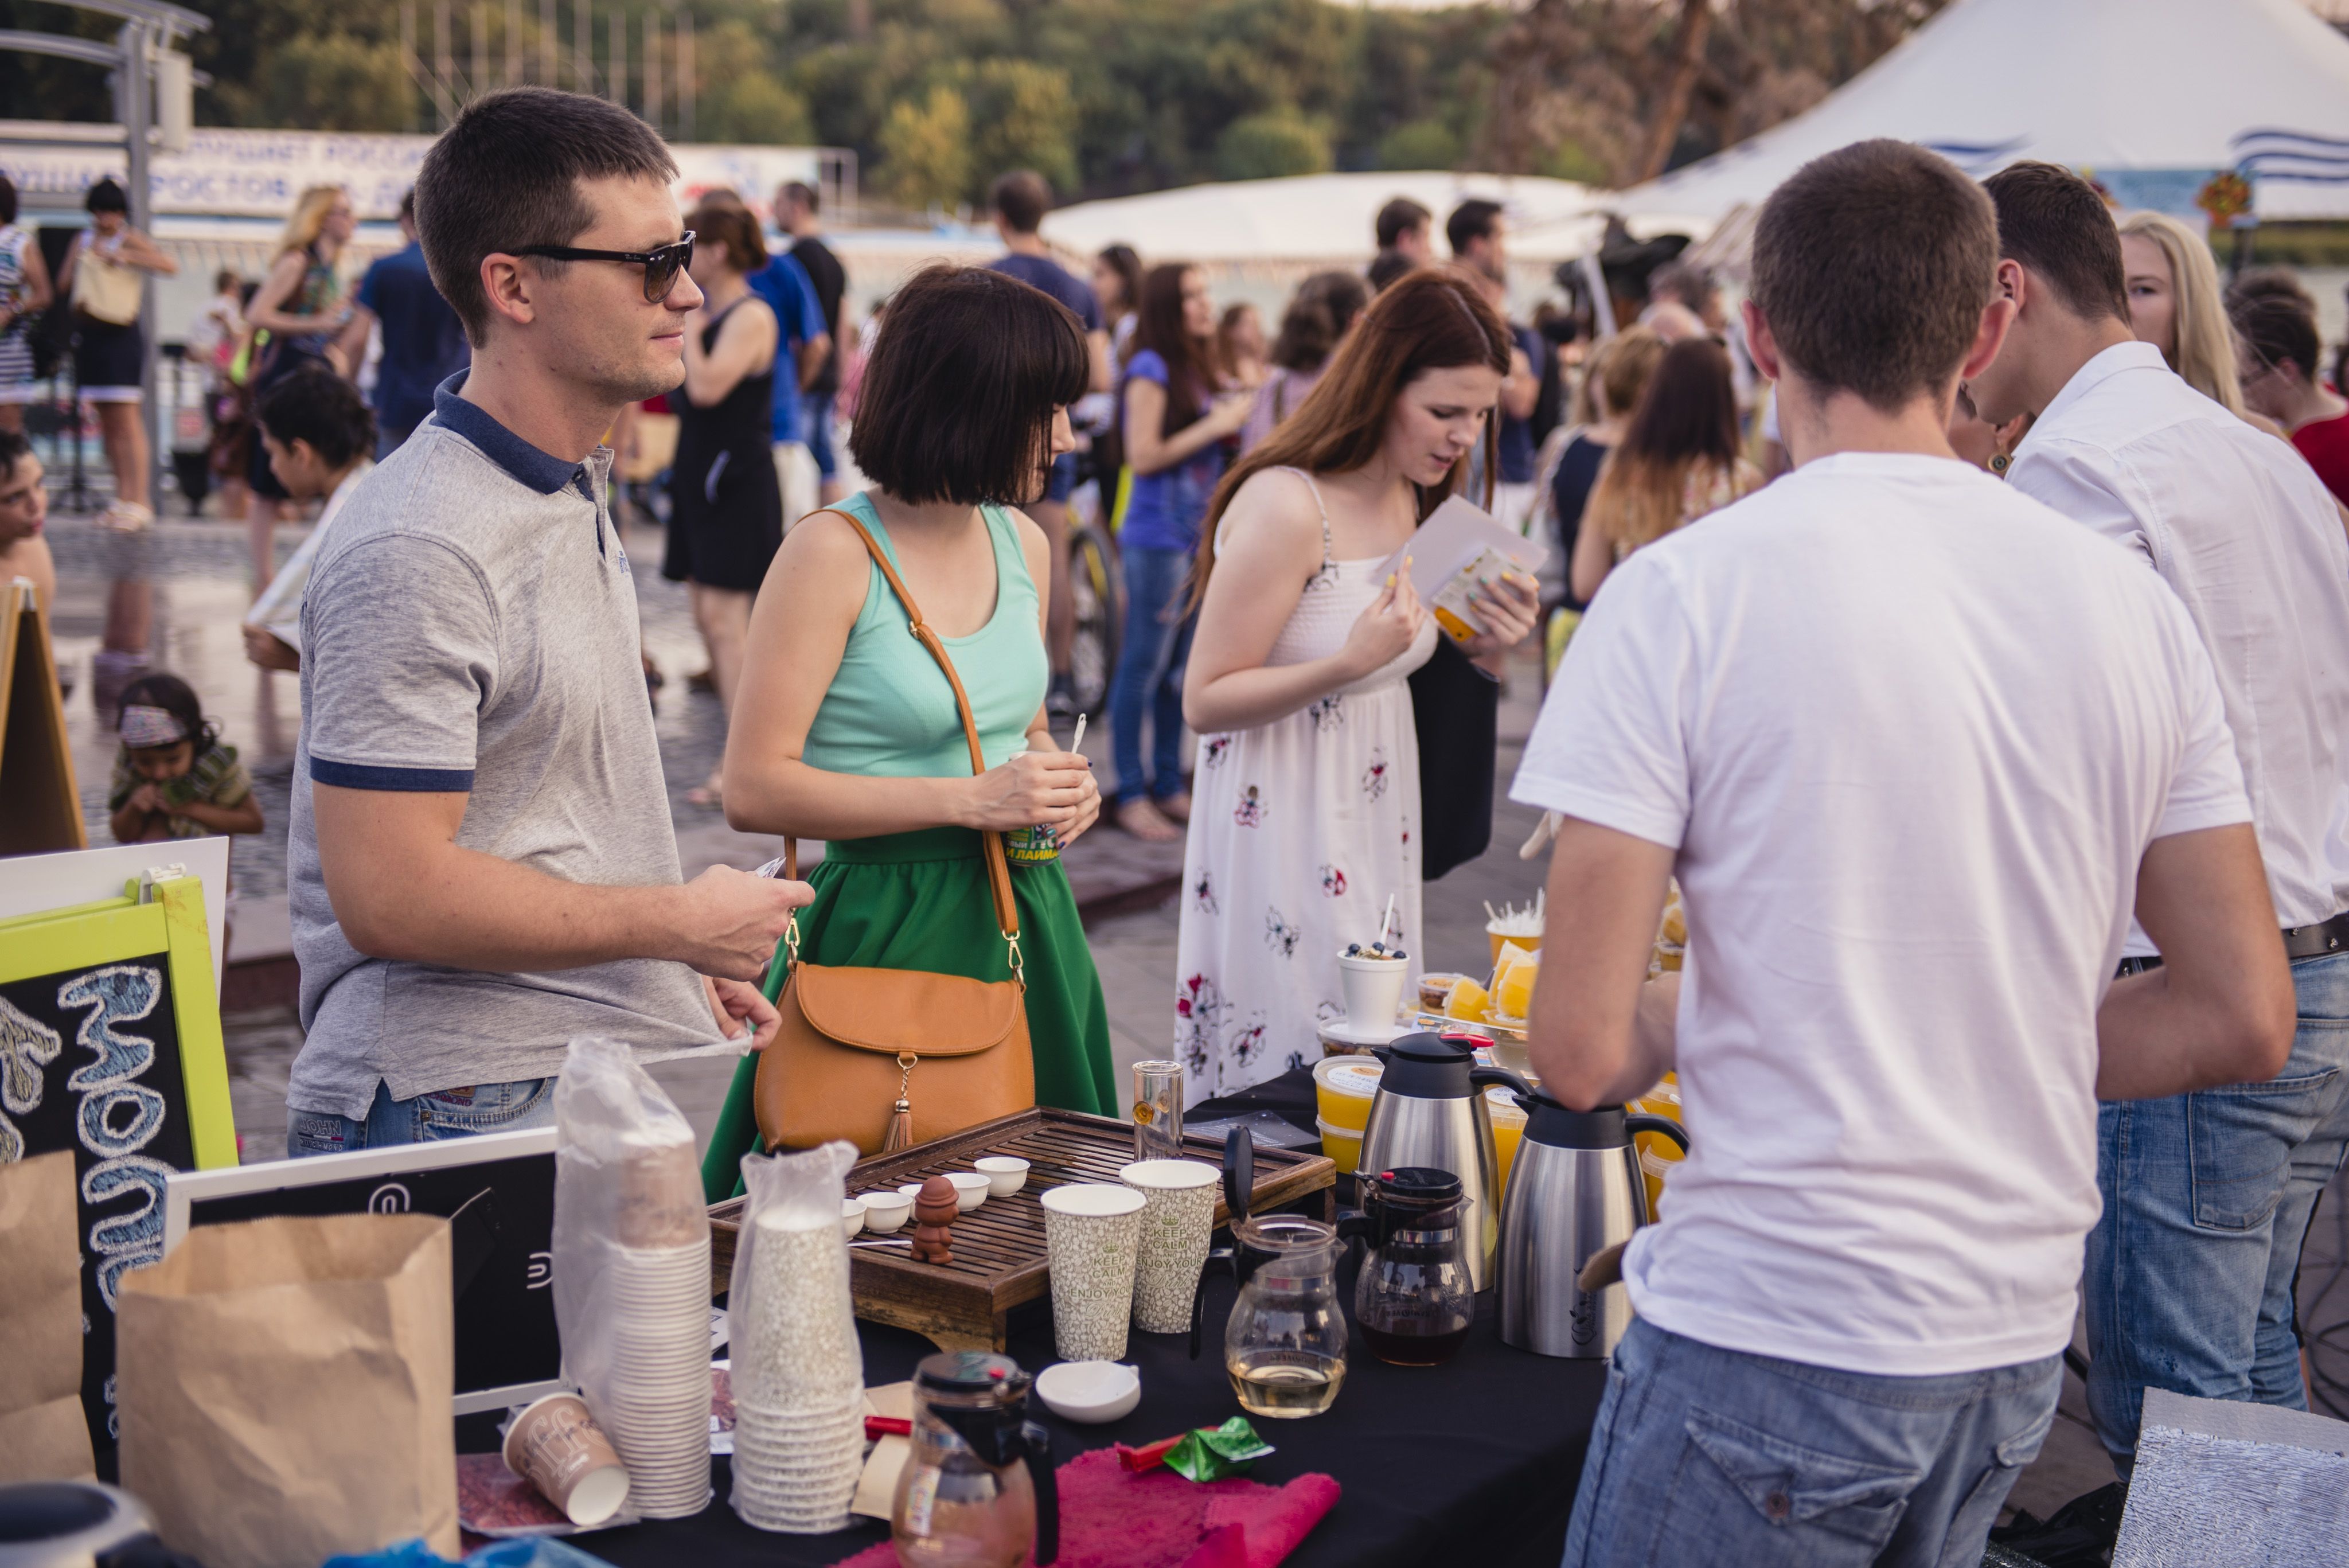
column 815, row 428
column 2207, row 1197
column 1150, row 662
column 426, row 1119
column 1703, row 1455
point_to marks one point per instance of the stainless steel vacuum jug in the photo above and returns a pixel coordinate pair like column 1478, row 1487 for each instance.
column 1430, row 1111
column 1575, row 1190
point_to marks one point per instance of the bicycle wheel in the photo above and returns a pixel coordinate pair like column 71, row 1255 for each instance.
column 1093, row 585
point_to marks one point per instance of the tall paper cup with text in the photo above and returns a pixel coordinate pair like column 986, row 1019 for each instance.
column 1092, row 1231
column 1178, row 1212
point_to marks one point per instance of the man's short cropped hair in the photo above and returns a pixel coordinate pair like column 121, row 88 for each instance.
column 320, row 407
column 14, row 449
column 1471, row 220
column 1400, row 217
column 800, row 192
column 1686, row 282
column 2053, row 223
column 2278, row 329
column 958, row 392
column 1385, row 267
column 1872, row 264
column 2253, row 282
column 1020, row 199
column 407, row 204
column 506, row 176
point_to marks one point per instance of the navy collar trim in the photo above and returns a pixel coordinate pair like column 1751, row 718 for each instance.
column 539, row 471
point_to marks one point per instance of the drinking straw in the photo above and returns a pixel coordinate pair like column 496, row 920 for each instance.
column 1386, row 918
column 1079, row 739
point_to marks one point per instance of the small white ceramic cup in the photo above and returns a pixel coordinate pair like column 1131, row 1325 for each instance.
column 886, row 1211
column 1006, row 1173
column 851, row 1215
column 971, row 1189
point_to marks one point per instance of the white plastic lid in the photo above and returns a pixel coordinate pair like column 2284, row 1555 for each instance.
column 1093, row 1199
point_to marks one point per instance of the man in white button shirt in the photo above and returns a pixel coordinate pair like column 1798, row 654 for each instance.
column 2206, row 1196
column 1915, row 746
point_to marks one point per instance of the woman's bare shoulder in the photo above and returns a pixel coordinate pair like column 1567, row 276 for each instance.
column 1275, row 511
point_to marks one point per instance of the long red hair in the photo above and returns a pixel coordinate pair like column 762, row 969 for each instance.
column 1433, row 318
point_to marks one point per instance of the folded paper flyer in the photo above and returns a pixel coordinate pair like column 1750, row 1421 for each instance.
column 1456, row 548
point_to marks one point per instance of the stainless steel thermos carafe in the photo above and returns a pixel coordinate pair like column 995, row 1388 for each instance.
column 1430, row 1112
column 1575, row 1190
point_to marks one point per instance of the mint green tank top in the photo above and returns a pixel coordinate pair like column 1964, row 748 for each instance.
column 889, row 713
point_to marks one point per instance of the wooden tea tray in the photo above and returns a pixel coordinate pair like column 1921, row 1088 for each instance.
column 999, row 1248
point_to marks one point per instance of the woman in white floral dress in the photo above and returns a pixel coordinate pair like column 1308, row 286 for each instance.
column 1305, row 798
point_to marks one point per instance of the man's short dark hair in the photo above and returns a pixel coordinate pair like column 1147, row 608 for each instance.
column 8, row 200
column 1872, row 264
column 1400, row 217
column 321, row 407
column 2253, row 283
column 2053, row 223
column 1684, row 281
column 14, row 449
column 958, row 392
column 2277, row 328
column 506, row 176
column 1385, row 267
column 407, row 204
column 1020, row 199
column 106, row 196
column 1471, row 220
column 801, row 192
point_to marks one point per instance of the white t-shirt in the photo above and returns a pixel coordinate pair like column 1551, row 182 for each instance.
column 2238, row 524
column 1910, row 733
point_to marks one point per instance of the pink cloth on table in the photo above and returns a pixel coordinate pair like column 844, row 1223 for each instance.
column 1111, row 1518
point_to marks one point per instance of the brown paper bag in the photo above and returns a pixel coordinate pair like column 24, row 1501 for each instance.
column 43, row 1435
column 284, row 1389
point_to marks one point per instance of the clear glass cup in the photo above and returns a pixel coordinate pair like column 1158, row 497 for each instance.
column 1158, row 1110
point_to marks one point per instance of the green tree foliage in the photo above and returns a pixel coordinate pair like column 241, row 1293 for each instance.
column 925, row 149
column 1270, row 144
column 1102, row 96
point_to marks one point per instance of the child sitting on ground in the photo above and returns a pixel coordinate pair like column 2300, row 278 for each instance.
column 174, row 776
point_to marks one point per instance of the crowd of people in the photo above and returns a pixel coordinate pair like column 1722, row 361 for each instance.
column 1989, row 733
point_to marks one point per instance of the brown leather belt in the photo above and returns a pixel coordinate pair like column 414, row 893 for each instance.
column 2299, row 942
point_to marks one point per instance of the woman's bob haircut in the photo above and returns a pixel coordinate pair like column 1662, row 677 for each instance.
column 966, row 371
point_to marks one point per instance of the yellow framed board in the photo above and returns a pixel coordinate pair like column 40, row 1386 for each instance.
column 110, row 1046
column 40, row 806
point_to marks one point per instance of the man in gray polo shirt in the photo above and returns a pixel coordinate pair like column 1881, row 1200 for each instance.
column 482, row 858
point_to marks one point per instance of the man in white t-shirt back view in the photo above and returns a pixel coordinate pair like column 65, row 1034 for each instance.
column 1914, row 746
column 2206, row 1196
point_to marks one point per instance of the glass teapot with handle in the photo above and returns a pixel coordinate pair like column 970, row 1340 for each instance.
column 978, row 1488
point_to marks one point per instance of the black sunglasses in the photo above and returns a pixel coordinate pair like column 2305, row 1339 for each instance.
column 662, row 265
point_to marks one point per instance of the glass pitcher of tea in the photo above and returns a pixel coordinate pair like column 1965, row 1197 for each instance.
column 1412, row 1296
column 1284, row 1345
column 977, row 1490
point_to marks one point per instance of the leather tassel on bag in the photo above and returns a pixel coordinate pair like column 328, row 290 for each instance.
column 900, row 1129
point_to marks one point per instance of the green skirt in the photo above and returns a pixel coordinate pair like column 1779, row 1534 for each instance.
column 919, row 900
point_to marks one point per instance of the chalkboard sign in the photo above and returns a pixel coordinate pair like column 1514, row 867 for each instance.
column 110, row 1046
column 497, row 1192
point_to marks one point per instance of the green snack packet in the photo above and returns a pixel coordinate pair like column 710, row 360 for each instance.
column 1213, row 1453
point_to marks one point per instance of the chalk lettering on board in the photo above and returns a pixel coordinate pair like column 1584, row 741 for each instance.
column 391, row 1197
column 130, row 1240
column 119, row 1119
column 118, row 994
column 26, row 1045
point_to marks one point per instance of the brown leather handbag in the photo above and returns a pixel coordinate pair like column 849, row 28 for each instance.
column 888, row 1057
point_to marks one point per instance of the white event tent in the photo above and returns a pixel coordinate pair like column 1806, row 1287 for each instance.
column 2149, row 96
column 1325, row 220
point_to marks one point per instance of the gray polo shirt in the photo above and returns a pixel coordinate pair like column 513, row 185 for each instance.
column 471, row 625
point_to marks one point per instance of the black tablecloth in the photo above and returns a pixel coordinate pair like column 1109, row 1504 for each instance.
column 1472, row 1462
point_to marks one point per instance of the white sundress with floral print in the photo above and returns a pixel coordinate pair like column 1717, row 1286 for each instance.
column 1299, row 830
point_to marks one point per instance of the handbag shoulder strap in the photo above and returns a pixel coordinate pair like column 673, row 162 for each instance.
column 999, row 866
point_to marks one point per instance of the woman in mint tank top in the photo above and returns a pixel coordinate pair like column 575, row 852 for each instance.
column 844, row 727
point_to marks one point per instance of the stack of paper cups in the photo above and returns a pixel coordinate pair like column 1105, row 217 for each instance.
column 658, row 1410
column 798, row 1379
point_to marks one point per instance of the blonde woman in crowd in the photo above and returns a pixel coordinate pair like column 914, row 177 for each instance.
column 2175, row 304
column 294, row 316
column 1678, row 460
